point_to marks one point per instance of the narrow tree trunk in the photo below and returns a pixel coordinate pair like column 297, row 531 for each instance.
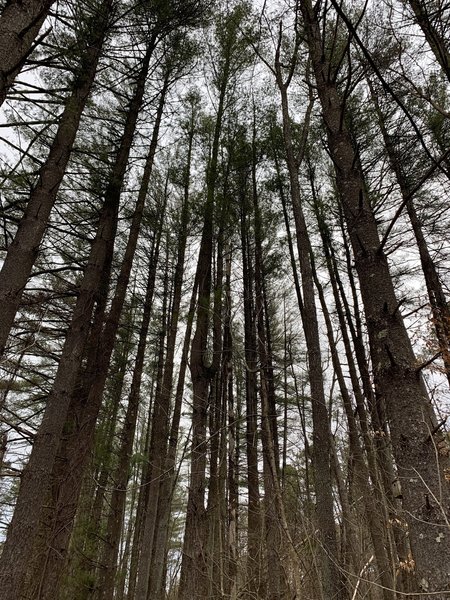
column 159, row 502
column 213, row 507
column 157, row 577
column 121, row 475
column 143, row 495
column 158, row 471
column 376, row 523
column 436, row 39
column 231, row 423
column 331, row 578
column 280, row 545
column 253, row 509
column 193, row 579
column 160, row 417
column 276, row 582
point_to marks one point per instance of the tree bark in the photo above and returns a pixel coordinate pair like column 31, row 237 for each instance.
column 158, row 527
column 20, row 23
column 277, row 587
column 121, row 475
column 193, row 578
column 330, row 577
column 157, row 579
column 254, row 521
column 438, row 301
column 24, row 248
column 435, row 38
column 36, row 479
column 423, row 474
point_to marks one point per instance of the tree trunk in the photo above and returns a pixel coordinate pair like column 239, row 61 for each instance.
column 20, row 23
column 254, row 558
column 435, row 38
column 215, row 415
column 37, row 475
column 193, row 578
column 158, row 527
column 121, row 475
column 157, row 581
column 24, row 248
column 330, row 576
column 397, row 377
column 277, row 588
column 436, row 295
column 376, row 523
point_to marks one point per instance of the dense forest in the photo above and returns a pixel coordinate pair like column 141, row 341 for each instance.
column 224, row 314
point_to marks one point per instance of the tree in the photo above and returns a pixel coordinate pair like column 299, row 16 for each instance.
column 397, row 375
column 23, row 250
column 20, row 23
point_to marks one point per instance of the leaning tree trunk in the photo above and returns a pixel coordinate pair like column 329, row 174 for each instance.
column 161, row 535
column 436, row 295
column 377, row 525
column 24, row 248
column 423, row 473
column 20, row 23
column 157, row 449
column 161, row 512
column 436, row 39
column 121, row 475
column 160, row 425
column 36, row 478
column 86, row 402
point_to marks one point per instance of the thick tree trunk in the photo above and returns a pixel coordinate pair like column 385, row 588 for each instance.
column 36, row 479
column 24, row 248
column 20, row 23
column 86, row 404
column 422, row 472
column 436, row 295
column 87, row 535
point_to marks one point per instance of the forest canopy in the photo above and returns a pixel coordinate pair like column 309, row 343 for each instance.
column 224, row 325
